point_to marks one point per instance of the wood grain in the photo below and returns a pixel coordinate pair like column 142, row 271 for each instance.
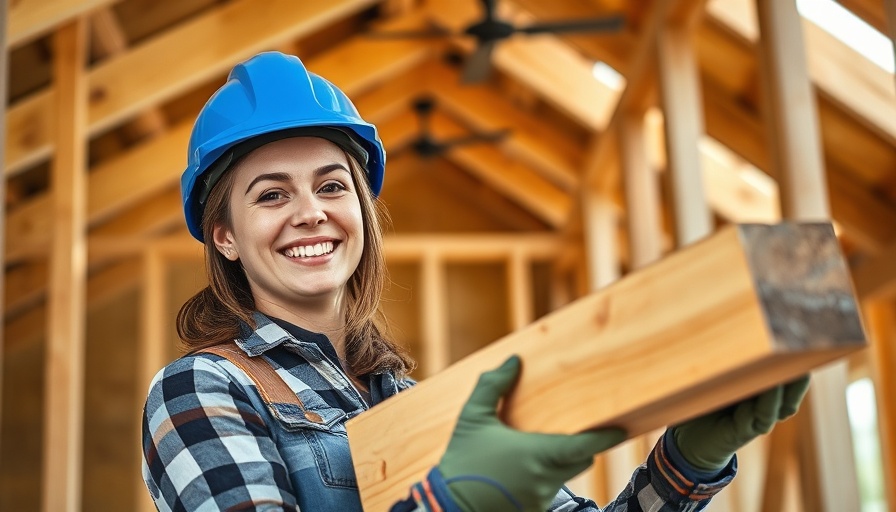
column 752, row 306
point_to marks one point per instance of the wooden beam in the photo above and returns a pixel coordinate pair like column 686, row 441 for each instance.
column 683, row 115
column 792, row 127
column 841, row 73
column 4, row 72
column 642, row 196
column 152, row 348
column 434, row 314
column 514, row 179
column 157, row 163
column 477, row 248
column 29, row 19
column 610, row 47
column 545, row 149
column 645, row 315
column 867, row 219
column 520, row 296
column 147, row 75
column 64, row 366
column 109, row 40
column 107, row 284
column 881, row 315
column 639, row 75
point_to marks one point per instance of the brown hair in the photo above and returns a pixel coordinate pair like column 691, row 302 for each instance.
column 213, row 315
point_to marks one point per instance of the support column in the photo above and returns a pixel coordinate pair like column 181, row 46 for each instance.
column 153, row 346
column 828, row 464
column 64, row 366
column 683, row 114
column 881, row 316
column 434, row 312
column 4, row 71
column 519, row 290
column 600, row 218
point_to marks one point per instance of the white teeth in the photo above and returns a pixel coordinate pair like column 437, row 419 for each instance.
column 309, row 250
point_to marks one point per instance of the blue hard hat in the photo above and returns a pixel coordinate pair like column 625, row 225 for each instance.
column 268, row 97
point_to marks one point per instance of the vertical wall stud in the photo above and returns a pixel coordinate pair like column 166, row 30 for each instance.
column 828, row 465
column 64, row 365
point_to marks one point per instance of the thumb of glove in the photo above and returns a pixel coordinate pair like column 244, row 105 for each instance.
column 491, row 386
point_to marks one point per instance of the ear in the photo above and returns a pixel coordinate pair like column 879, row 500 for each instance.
column 224, row 243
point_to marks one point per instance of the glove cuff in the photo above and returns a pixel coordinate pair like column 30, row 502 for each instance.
column 678, row 481
column 433, row 493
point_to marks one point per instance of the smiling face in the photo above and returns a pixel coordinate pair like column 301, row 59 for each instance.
column 296, row 225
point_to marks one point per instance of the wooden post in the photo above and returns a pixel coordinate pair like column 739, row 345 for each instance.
column 4, row 71
column 764, row 303
column 599, row 220
column 642, row 195
column 642, row 198
column 881, row 317
column 434, row 312
column 519, row 290
column 683, row 115
column 152, row 348
column 64, row 377
column 830, row 482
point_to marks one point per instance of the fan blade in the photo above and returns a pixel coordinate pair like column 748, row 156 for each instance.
column 479, row 65
column 475, row 138
column 489, row 7
column 423, row 107
column 434, row 32
column 607, row 24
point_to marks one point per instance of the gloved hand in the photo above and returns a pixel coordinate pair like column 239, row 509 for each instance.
column 708, row 442
column 489, row 466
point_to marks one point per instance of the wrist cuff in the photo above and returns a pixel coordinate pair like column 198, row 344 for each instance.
column 432, row 493
column 678, row 480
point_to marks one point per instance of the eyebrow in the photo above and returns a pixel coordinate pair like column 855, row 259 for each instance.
column 282, row 176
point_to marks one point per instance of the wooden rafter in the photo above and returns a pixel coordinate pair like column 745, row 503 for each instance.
column 31, row 18
column 146, row 76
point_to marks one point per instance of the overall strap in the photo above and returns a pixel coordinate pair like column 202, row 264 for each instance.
column 270, row 385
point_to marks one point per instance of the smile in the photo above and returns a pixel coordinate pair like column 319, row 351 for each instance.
column 309, row 251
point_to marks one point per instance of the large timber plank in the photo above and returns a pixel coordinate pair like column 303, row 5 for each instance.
column 749, row 307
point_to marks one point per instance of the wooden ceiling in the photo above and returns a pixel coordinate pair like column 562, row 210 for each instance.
column 154, row 62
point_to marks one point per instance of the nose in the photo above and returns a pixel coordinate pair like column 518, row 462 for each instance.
column 308, row 212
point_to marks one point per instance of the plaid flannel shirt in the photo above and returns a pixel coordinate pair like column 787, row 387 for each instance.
column 210, row 442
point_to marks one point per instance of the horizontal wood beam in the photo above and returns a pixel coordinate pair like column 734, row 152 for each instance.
column 865, row 218
column 29, row 19
column 547, row 150
column 736, row 292
column 157, row 163
column 147, row 75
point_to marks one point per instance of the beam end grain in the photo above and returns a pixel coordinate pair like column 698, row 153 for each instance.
column 803, row 284
column 692, row 330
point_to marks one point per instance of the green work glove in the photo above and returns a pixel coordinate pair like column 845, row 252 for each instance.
column 489, row 466
column 709, row 441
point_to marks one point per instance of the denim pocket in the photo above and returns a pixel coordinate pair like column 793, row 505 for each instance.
column 333, row 457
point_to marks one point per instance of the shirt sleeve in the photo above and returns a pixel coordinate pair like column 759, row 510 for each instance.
column 205, row 446
column 667, row 483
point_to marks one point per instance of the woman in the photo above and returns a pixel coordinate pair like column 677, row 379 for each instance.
column 281, row 188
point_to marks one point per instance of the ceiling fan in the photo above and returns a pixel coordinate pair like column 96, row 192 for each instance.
column 489, row 30
column 427, row 146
